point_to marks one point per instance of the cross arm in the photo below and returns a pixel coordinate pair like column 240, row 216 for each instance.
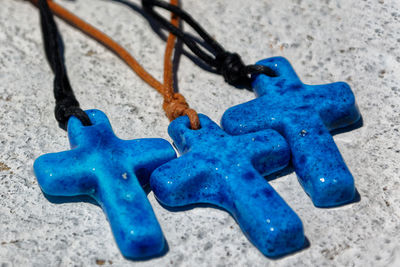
column 64, row 173
column 176, row 182
column 248, row 117
column 338, row 108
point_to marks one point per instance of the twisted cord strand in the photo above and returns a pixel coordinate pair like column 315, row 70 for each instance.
column 66, row 103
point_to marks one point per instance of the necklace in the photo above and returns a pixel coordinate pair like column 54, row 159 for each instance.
column 303, row 114
column 100, row 165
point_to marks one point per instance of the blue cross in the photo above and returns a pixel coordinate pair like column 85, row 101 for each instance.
column 112, row 171
column 224, row 170
column 304, row 115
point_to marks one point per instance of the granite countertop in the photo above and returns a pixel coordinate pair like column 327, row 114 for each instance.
column 326, row 41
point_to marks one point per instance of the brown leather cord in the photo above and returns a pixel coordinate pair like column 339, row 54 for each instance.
column 174, row 104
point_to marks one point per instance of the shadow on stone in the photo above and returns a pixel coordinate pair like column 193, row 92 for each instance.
column 72, row 199
column 356, row 199
column 286, row 171
column 307, row 244
column 160, row 255
column 190, row 207
column 354, row 126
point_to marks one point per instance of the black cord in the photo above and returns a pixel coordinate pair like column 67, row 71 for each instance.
column 66, row 103
column 229, row 65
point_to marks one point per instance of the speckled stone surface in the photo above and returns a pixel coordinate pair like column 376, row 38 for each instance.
column 224, row 170
column 325, row 41
column 304, row 115
column 111, row 171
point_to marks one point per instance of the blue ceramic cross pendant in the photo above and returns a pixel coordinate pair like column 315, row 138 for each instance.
column 304, row 115
column 112, row 171
column 224, row 170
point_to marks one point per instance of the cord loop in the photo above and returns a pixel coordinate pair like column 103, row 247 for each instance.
column 70, row 107
column 175, row 107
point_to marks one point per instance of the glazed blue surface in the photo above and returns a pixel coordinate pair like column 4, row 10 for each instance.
column 112, row 171
column 224, row 170
column 304, row 115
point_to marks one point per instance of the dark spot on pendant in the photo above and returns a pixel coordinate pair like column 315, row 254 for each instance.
column 249, row 176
